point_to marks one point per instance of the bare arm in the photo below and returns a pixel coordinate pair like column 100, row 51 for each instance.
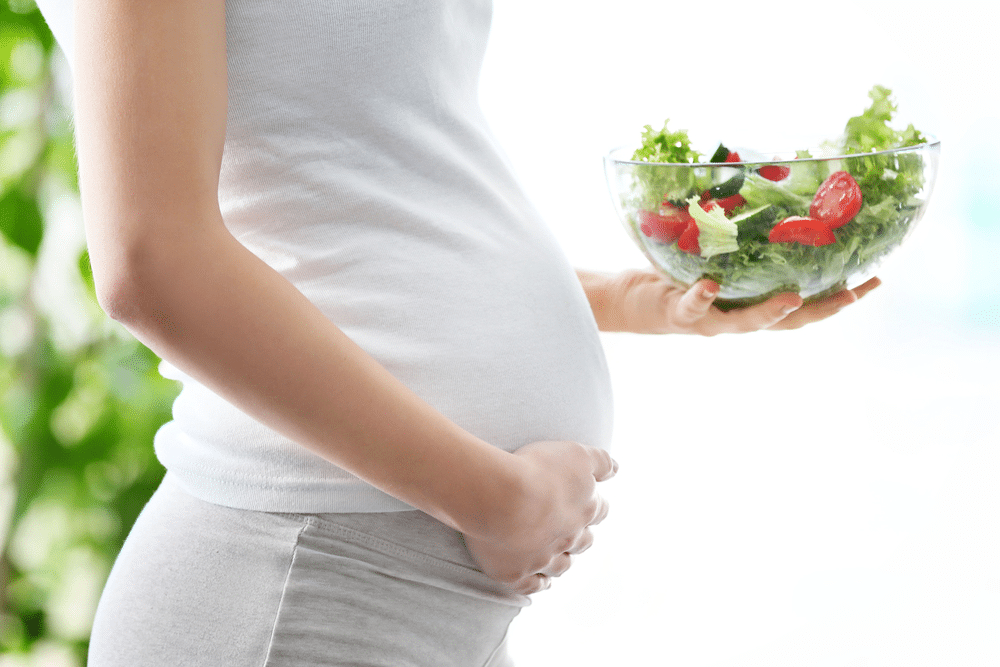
column 150, row 108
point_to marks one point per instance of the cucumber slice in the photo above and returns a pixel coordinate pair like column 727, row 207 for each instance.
column 755, row 224
column 756, row 216
column 727, row 188
column 720, row 154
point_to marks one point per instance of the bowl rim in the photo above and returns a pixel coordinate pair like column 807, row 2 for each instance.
column 932, row 142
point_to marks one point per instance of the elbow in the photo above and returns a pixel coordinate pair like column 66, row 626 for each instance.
column 143, row 247
column 119, row 292
column 138, row 299
column 115, row 301
column 128, row 283
column 139, row 277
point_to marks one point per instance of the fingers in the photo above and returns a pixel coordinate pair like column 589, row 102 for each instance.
column 532, row 584
column 604, row 467
column 582, row 543
column 816, row 312
column 785, row 311
column 600, row 512
column 558, row 566
column 561, row 563
column 695, row 310
column 696, row 302
column 823, row 309
column 541, row 576
column 536, row 540
column 764, row 315
column 867, row 287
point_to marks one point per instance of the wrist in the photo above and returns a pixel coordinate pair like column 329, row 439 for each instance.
column 604, row 293
column 612, row 299
column 481, row 487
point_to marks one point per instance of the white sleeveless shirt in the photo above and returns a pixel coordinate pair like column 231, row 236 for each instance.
column 359, row 165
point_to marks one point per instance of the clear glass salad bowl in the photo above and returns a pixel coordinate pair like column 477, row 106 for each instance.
column 786, row 223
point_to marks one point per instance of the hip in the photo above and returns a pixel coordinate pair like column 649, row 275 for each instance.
column 202, row 584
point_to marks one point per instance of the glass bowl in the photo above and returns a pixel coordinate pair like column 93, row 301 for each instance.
column 796, row 223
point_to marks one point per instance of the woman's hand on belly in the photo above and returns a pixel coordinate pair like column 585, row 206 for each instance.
column 548, row 516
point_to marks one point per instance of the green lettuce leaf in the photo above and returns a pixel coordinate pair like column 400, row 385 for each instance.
column 658, row 182
column 897, row 176
column 716, row 233
column 665, row 146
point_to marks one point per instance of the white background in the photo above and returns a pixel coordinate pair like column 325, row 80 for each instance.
column 821, row 497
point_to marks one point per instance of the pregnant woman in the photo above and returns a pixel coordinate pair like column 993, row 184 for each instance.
column 395, row 408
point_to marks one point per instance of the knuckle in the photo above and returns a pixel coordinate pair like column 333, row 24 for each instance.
column 532, row 584
column 565, row 562
column 598, row 511
column 538, row 565
column 707, row 332
column 512, row 576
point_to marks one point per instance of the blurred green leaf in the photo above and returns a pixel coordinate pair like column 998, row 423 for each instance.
column 81, row 421
column 87, row 273
column 60, row 157
column 24, row 13
column 21, row 220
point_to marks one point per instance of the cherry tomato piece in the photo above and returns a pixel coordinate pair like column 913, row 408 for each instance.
column 773, row 172
column 730, row 203
column 806, row 231
column 837, row 201
column 663, row 228
column 688, row 242
column 733, row 157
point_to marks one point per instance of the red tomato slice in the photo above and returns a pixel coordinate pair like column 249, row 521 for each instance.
column 837, row 201
column 664, row 228
column 727, row 203
column 733, row 157
column 688, row 242
column 806, row 231
column 773, row 172
column 730, row 203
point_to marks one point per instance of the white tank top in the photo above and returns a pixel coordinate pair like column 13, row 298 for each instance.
column 359, row 165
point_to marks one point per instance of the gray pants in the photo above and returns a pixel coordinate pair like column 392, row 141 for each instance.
column 202, row 585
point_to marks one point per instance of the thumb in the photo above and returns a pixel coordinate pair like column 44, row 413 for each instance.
column 696, row 302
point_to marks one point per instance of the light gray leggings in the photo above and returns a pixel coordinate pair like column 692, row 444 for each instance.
column 198, row 584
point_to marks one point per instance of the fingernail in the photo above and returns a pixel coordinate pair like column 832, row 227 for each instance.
column 708, row 293
column 789, row 309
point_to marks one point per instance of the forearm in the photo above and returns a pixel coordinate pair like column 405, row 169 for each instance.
column 606, row 293
column 213, row 309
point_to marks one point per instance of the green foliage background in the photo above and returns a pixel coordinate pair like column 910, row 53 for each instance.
column 78, row 404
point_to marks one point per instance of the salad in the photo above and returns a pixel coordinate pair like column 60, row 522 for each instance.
column 802, row 224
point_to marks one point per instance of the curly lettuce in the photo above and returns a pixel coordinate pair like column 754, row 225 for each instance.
column 898, row 176
column 716, row 233
column 665, row 146
column 658, row 183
